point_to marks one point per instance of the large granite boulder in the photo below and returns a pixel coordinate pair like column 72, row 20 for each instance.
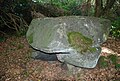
column 74, row 39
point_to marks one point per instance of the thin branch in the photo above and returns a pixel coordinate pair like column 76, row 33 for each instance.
column 6, row 23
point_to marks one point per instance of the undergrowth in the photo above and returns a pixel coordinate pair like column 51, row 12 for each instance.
column 108, row 61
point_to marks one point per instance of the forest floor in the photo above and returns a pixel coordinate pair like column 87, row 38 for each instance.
column 16, row 64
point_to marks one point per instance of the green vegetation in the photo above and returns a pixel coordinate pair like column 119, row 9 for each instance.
column 20, row 46
column 68, row 5
column 109, row 60
column 113, row 59
column 117, row 66
column 115, row 29
column 2, row 39
column 103, row 62
column 80, row 42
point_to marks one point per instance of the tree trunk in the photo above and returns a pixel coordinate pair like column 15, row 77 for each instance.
column 98, row 7
column 99, row 10
column 88, row 7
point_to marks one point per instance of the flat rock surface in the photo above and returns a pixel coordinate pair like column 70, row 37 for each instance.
column 51, row 34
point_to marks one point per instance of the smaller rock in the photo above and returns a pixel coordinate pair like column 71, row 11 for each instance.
column 44, row 56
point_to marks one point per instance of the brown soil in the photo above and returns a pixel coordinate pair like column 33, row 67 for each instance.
column 16, row 64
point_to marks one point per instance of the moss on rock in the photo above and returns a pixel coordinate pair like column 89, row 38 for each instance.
column 30, row 38
column 80, row 42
